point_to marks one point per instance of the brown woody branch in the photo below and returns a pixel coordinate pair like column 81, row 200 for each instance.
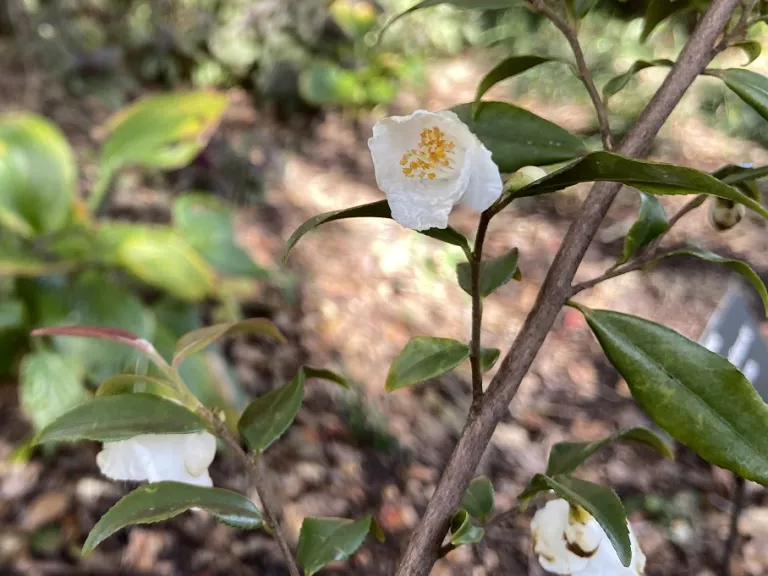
column 424, row 545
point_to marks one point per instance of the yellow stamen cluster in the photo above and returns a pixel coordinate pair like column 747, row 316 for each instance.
column 433, row 152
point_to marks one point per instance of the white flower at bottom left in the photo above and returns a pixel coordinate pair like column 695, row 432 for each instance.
column 158, row 457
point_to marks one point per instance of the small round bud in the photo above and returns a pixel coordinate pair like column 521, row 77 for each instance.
column 526, row 175
column 724, row 214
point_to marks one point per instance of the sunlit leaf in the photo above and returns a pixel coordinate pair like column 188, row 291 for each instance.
column 423, row 358
column 48, row 387
column 37, row 175
column 163, row 500
column 378, row 209
column 518, row 138
column 328, row 84
column 651, row 222
column 110, row 418
column 326, row 540
column 697, row 396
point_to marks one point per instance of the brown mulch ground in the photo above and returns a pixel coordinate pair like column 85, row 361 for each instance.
column 363, row 288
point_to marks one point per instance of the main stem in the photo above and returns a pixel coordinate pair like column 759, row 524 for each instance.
column 257, row 478
column 424, row 545
column 477, row 311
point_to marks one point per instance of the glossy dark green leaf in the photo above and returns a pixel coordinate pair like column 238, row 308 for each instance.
column 518, row 138
column 110, row 418
column 136, row 384
column 378, row 209
column 494, row 273
column 163, row 500
column 269, row 416
column 479, row 498
column 652, row 177
column 509, row 68
column 326, row 540
column 751, row 48
column 463, row 531
column 660, row 10
column 201, row 338
column 488, row 358
column 736, row 265
column 566, row 457
column 651, row 222
column 208, row 226
column 423, row 358
column 749, row 86
column 697, row 396
column 601, row 502
column 731, row 174
column 617, row 83
column 37, row 175
column 48, row 387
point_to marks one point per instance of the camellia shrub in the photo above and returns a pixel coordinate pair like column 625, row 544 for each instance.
column 61, row 262
column 486, row 155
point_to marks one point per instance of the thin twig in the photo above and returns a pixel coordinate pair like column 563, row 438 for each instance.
column 646, row 256
column 477, row 310
column 425, row 543
column 257, row 477
column 737, row 507
column 445, row 549
column 581, row 64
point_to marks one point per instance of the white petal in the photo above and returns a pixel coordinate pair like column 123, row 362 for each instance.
column 156, row 457
column 485, row 181
column 199, row 452
column 548, row 530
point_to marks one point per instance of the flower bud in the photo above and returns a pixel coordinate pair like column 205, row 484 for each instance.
column 724, row 214
column 523, row 177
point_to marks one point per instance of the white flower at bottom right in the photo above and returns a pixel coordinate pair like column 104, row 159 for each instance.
column 568, row 541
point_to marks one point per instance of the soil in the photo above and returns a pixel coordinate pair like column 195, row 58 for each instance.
column 361, row 289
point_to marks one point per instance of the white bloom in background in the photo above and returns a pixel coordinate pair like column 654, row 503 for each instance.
column 158, row 457
column 426, row 163
column 568, row 540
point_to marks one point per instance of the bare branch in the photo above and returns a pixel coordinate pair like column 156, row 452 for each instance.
column 424, row 545
column 477, row 310
column 581, row 64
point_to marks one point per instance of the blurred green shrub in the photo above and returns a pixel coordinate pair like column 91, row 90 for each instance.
column 60, row 264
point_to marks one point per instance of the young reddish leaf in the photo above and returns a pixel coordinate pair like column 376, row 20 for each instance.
column 99, row 333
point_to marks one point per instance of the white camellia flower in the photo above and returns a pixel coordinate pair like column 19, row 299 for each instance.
column 426, row 163
column 569, row 541
column 158, row 457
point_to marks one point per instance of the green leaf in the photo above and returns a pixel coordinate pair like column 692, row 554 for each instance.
column 328, row 84
column 479, row 498
column 423, row 358
column 566, row 457
column 733, row 175
column 136, row 384
column 736, row 265
column 15, row 262
column 582, row 7
column 162, row 259
column 37, row 175
column 165, row 131
column 750, row 86
column 269, row 416
column 488, row 358
column 697, row 396
column 163, row 500
column 48, row 387
column 494, row 273
column 466, row 4
column 208, row 226
column 325, row 374
column 463, row 531
column 201, row 338
column 110, row 418
column 751, row 48
column 617, row 83
column 651, row 222
column 326, row 540
column 95, row 301
column 660, row 10
column 378, row 209
column 601, row 502
column 518, row 138
column 652, row 177
column 509, row 68
column 13, row 314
